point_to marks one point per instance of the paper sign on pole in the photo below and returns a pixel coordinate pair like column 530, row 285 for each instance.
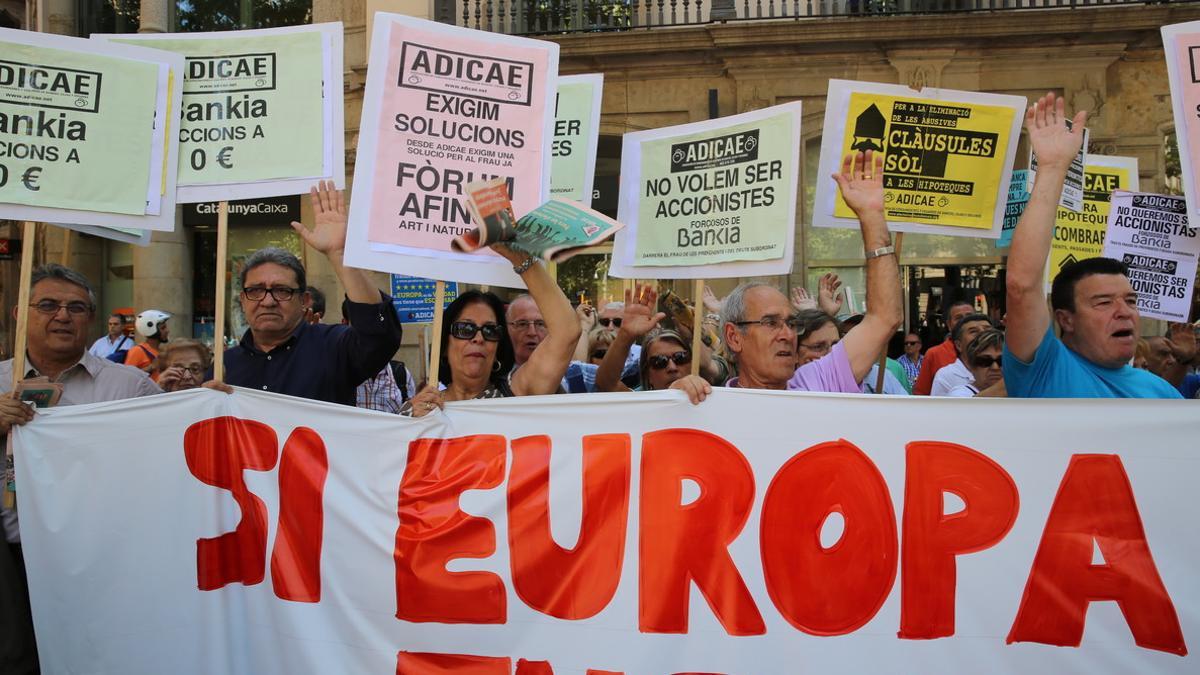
column 122, row 234
column 1181, row 44
column 710, row 199
column 262, row 110
column 1018, row 198
column 576, row 134
column 86, row 131
column 1080, row 234
column 446, row 106
column 413, row 298
column 948, row 155
column 1150, row 233
column 624, row 533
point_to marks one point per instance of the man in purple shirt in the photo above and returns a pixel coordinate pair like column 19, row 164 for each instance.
column 760, row 331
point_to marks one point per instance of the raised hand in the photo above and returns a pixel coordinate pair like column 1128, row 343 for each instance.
column 711, row 302
column 1053, row 144
column 861, row 182
column 587, row 317
column 1182, row 337
column 801, row 300
column 329, row 216
column 640, row 315
column 829, row 297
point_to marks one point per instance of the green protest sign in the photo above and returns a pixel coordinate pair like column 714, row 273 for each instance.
column 252, row 106
column 76, row 129
column 723, row 194
column 576, row 126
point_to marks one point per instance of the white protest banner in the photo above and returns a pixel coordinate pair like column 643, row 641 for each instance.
column 1150, row 233
column 443, row 107
column 1181, row 44
column 627, row 533
column 262, row 110
column 948, row 155
column 87, row 131
column 710, row 200
column 576, row 134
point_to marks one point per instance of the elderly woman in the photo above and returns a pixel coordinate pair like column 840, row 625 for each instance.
column 477, row 353
column 182, row 364
column 666, row 358
column 816, row 335
column 982, row 358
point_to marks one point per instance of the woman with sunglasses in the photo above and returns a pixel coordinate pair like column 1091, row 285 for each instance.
column 477, row 353
column 982, row 358
column 666, row 360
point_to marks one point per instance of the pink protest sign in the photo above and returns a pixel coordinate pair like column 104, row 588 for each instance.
column 1181, row 43
column 452, row 106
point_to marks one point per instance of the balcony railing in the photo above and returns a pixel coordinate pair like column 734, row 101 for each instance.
column 533, row 17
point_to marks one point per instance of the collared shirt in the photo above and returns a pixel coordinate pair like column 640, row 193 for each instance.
column 91, row 380
column 380, row 393
column 951, row 376
column 105, row 346
column 913, row 370
column 935, row 359
column 320, row 361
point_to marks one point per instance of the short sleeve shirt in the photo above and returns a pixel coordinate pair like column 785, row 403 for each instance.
column 1058, row 372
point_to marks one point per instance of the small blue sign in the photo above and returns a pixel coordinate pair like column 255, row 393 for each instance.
column 413, row 297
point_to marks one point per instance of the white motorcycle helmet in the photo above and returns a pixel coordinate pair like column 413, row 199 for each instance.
column 149, row 321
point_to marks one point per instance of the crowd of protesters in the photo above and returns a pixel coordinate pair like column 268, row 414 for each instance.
column 537, row 344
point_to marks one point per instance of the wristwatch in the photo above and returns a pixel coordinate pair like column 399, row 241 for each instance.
column 524, row 266
column 880, row 252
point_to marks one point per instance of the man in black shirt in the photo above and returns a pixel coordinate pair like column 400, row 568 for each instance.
column 283, row 353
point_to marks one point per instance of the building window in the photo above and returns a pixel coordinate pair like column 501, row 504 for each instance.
column 213, row 15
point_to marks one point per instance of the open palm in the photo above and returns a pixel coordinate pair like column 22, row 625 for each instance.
column 329, row 217
column 640, row 316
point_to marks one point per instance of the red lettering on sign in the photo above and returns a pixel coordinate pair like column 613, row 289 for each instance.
column 573, row 583
column 1095, row 502
column 426, row 663
column 932, row 539
column 835, row 590
column 296, row 558
column 433, row 531
column 684, row 543
column 217, row 451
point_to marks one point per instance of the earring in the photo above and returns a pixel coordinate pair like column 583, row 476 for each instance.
column 496, row 366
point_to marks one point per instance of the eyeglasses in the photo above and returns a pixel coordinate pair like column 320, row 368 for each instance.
column 523, row 325
column 605, row 321
column 772, row 322
column 51, row 307
column 280, row 293
column 819, row 347
column 985, row 361
column 466, row 330
column 599, row 353
column 681, row 358
column 197, row 371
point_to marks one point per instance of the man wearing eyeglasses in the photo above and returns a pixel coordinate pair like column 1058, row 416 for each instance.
column 62, row 305
column 283, row 353
column 760, row 330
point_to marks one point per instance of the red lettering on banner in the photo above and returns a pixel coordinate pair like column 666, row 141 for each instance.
column 217, row 451
column 433, row 531
column 296, row 559
column 1095, row 502
column 835, row 590
column 426, row 663
column 571, row 583
column 684, row 543
column 932, row 539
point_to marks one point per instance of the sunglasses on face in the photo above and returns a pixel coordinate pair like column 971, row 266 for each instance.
column 606, row 322
column 986, row 361
column 466, row 330
column 680, row 358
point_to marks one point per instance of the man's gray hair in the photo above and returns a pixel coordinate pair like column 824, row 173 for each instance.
column 278, row 256
column 56, row 271
column 734, row 308
column 615, row 305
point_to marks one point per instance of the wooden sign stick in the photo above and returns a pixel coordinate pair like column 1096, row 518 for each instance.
column 219, row 322
column 28, row 237
column 435, row 353
column 697, row 324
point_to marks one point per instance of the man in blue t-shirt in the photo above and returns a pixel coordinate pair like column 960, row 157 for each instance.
column 1094, row 304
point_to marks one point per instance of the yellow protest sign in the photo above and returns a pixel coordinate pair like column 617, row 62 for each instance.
column 1080, row 235
column 944, row 161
